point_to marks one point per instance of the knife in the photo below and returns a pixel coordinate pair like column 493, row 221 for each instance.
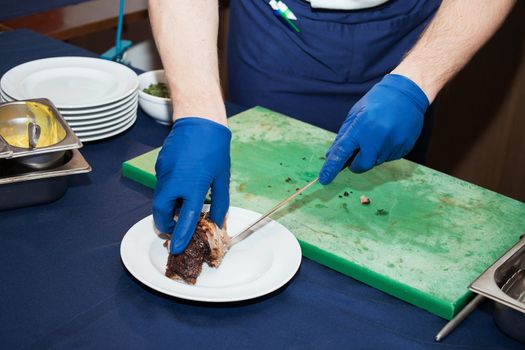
column 247, row 230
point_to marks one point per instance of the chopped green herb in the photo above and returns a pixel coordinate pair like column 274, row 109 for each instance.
column 159, row 90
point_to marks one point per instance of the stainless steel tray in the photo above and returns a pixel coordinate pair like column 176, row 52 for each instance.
column 504, row 282
column 19, row 188
column 14, row 117
column 491, row 283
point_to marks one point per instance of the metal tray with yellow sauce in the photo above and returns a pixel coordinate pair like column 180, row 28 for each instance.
column 16, row 119
column 38, row 150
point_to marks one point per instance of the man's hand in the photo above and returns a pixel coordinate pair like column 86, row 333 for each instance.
column 196, row 155
column 383, row 125
column 194, row 158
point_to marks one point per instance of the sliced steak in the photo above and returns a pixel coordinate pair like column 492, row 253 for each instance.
column 208, row 244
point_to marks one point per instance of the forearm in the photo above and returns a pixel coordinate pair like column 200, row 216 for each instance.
column 185, row 32
column 457, row 31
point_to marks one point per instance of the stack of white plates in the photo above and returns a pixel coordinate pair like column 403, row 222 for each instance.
column 98, row 98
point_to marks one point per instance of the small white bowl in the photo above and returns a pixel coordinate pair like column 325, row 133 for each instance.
column 159, row 108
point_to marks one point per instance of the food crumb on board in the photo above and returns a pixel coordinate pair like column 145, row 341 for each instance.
column 364, row 200
column 381, row 212
column 322, row 158
column 288, row 179
column 346, row 194
column 297, row 189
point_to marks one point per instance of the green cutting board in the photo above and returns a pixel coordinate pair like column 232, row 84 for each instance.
column 423, row 238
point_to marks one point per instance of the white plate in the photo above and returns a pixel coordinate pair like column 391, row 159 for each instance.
column 71, row 82
column 131, row 117
column 101, row 122
column 259, row 265
column 106, row 135
column 120, row 120
column 97, row 131
column 109, row 116
column 5, row 97
column 90, row 113
column 99, row 111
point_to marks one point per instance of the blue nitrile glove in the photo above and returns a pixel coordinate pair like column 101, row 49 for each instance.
column 383, row 125
column 195, row 156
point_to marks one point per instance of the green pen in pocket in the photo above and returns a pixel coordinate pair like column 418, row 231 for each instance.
column 283, row 12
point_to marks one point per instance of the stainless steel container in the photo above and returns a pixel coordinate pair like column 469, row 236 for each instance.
column 55, row 138
column 38, row 151
column 20, row 188
column 504, row 282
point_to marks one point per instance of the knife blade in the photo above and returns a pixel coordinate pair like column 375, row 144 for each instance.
column 246, row 231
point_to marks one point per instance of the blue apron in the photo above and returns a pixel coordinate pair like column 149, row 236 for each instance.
column 317, row 75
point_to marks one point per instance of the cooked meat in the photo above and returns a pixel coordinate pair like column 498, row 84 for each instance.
column 208, row 244
column 364, row 200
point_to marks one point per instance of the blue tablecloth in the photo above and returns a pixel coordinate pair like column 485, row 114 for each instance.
column 63, row 284
column 15, row 8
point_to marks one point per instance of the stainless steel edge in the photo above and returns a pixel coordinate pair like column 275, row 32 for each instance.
column 5, row 149
column 486, row 285
column 76, row 165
